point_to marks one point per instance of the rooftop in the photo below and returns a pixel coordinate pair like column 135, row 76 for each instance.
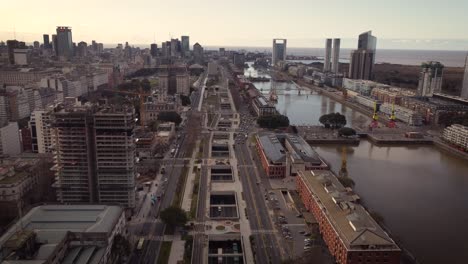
column 356, row 228
column 51, row 223
column 275, row 151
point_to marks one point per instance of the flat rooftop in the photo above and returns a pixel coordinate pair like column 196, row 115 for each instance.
column 274, row 147
column 356, row 228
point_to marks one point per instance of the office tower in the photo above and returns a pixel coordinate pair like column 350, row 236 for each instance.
column 362, row 60
column 94, row 46
column 46, row 41
column 100, row 48
column 82, row 49
column 464, row 92
column 238, row 59
column 54, row 43
column 336, row 55
column 154, row 50
column 94, row 154
column 430, row 78
column 36, row 44
column 185, row 45
column 198, row 53
column 279, row 51
column 64, row 43
column 175, row 47
column 12, row 45
column 327, row 58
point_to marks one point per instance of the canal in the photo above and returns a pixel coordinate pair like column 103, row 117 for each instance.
column 420, row 192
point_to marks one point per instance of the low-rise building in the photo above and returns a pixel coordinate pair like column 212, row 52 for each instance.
column 366, row 101
column 457, row 135
column 63, row 234
column 284, row 154
column 391, row 95
column 404, row 114
column 350, row 233
column 166, row 131
column 262, row 107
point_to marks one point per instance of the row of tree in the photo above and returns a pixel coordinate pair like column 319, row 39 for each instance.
column 273, row 121
column 333, row 120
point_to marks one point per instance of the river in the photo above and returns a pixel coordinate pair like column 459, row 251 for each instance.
column 421, row 193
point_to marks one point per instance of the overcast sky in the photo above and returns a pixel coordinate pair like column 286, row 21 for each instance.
column 414, row 24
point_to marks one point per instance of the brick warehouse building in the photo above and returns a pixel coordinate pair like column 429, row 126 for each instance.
column 285, row 154
column 352, row 236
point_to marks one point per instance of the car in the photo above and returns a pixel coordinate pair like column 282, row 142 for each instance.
column 307, row 234
column 301, row 232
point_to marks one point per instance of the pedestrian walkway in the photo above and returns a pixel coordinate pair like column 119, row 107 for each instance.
column 188, row 190
column 177, row 250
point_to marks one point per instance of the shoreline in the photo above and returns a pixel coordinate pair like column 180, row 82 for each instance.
column 437, row 143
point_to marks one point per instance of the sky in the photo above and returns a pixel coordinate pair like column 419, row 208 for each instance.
column 398, row 24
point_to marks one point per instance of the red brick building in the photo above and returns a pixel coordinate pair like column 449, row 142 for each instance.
column 284, row 154
column 352, row 236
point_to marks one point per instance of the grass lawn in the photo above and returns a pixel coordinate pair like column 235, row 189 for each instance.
column 165, row 252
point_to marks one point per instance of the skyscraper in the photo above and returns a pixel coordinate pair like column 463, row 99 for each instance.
column 46, row 41
column 185, row 45
column 198, row 53
column 154, row 49
column 336, row 55
column 362, row 60
column 430, row 78
column 464, row 92
column 327, row 58
column 54, row 43
column 279, row 51
column 64, row 43
column 94, row 154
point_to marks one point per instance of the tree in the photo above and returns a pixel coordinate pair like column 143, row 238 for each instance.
column 333, row 120
column 273, row 121
column 346, row 132
column 174, row 216
column 120, row 249
column 170, row 117
column 146, row 85
column 185, row 100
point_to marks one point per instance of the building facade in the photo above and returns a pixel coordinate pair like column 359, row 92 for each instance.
column 279, row 51
column 336, row 56
column 430, row 78
column 457, row 135
column 464, row 92
column 349, row 232
column 64, row 43
column 327, row 58
column 362, row 60
column 94, row 154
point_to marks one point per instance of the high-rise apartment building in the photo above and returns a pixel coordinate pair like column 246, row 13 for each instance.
column 46, row 41
column 154, row 50
column 95, row 154
column 430, row 78
column 279, row 51
column 185, row 42
column 327, row 58
column 64, row 43
column 336, row 55
column 362, row 60
column 464, row 92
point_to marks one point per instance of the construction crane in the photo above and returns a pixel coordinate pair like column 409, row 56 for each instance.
column 375, row 117
column 344, row 164
column 392, row 123
column 141, row 96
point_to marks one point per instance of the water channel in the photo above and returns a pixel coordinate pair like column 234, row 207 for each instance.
column 421, row 192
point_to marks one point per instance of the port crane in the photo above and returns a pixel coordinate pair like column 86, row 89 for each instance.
column 375, row 117
column 392, row 123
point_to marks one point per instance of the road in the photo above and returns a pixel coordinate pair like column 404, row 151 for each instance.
column 153, row 229
column 265, row 244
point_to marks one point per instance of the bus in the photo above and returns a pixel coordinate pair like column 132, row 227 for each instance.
column 140, row 243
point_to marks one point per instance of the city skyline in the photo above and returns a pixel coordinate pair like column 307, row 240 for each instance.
column 124, row 23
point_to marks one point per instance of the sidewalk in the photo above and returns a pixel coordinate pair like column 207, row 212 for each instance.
column 177, row 250
column 189, row 183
